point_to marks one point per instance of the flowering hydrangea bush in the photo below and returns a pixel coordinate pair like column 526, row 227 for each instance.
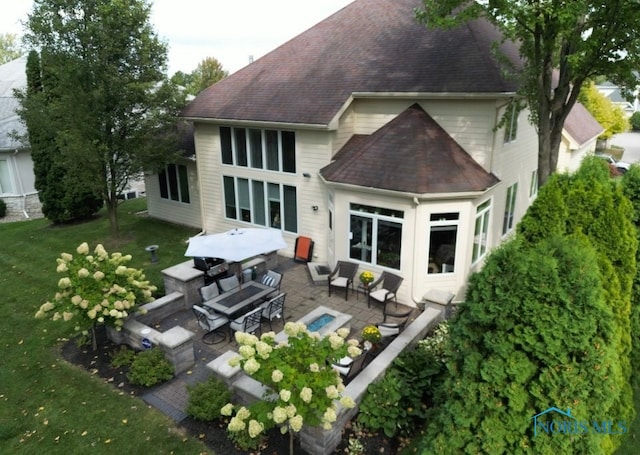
column 303, row 388
column 96, row 289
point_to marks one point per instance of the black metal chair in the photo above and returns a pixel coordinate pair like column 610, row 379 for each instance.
column 250, row 322
column 342, row 277
column 229, row 283
column 389, row 284
column 393, row 323
column 211, row 322
column 273, row 279
column 274, row 308
column 348, row 367
column 209, row 292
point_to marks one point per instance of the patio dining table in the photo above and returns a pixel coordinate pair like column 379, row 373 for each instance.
column 236, row 301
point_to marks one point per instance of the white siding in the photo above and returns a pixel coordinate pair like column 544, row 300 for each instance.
column 174, row 211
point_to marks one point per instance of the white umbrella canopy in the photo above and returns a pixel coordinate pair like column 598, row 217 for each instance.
column 236, row 245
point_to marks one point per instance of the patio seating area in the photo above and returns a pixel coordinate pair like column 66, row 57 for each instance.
column 306, row 300
column 302, row 297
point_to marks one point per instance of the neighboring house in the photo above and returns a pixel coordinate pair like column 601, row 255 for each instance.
column 17, row 188
column 579, row 138
column 614, row 93
column 377, row 138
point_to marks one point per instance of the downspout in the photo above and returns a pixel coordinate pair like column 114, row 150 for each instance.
column 416, row 201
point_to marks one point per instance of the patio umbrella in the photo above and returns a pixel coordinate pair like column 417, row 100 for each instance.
column 236, row 245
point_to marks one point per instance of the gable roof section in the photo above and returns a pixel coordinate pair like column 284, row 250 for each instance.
column 581, row 125
column 368, row 46
column 412, row 154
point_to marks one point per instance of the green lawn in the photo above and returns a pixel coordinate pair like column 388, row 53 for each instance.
column 46, row 405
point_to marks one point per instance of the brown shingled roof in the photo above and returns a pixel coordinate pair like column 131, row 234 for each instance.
column 368, row 46
column 411, row 153
column 581, row 125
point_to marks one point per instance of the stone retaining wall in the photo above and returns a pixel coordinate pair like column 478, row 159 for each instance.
column 316, row 440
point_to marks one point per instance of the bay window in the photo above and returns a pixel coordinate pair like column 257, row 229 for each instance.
column 376, row 235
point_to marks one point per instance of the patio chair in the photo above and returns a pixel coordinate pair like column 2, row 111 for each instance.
column 209, row 292
column 229, row 283
column 348, row 367
column 274, row 308
column 393, row 323
column 211, row 322
column 389, row 284
column 250, row 322
column 342, row 277
column 273, row 279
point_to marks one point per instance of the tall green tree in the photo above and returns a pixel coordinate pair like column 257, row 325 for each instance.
column 535, row 332
column 64, row 194
column 208, row 72
column 564, row 44
column 109, row 106
column 611, row 117
column 10, row 48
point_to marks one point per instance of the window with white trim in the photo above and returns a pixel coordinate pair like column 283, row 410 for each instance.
column 481, row 231
column 174, row 183
column 511, row 122
column 6, row 186
column 271, row 150
column 376, row 235
column 509, row 208
column 443, row 237
column 262, row 203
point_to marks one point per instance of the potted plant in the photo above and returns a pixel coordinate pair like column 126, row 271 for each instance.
column 371, row 336
column 366, row 277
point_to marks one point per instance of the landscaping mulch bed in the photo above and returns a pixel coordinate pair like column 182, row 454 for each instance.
column 213, row 434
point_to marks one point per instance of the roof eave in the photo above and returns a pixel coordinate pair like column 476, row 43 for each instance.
column 259, row 123
column 405, row 194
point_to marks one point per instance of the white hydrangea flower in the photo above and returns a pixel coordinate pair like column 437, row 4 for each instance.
column 279, row 414
column 251, row 366
column 295, row 423
column 255, row 428
column 306, row 394
column 285, row 395
column 276, row 376
column 83, row 248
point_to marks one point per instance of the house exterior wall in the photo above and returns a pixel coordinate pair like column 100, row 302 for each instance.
column 571, row 153
column 188, row 214
column 470, row 122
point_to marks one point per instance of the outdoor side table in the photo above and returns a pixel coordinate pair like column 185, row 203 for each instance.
column 364, row 289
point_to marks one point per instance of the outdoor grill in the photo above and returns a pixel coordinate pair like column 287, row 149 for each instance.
column 213, row 268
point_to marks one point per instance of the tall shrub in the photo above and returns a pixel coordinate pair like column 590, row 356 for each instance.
column 534, row 332
column 592, row 203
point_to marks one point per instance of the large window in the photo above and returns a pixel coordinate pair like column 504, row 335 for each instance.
column 174, row 183
column 262, row 203
column 271, row 150
column 509, row 208
column 6, row 186
column 376, row 235
column 443, row 235
column 481, row 231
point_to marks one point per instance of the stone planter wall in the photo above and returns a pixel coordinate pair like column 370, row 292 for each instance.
column 176, row 343
column 316, row 440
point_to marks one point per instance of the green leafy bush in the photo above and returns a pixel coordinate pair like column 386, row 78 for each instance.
column 122, row 357
column 398, row 403
column 534, row 332
column 207, row 398
column 635, row 121
column 150, row 368
column 3, row 208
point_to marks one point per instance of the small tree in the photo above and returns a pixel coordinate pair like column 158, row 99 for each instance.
column 610, row 116
column 96, row 289
column 302, row 385
column 9, row 47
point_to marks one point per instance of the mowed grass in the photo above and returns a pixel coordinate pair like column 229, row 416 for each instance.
column 47, row 405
